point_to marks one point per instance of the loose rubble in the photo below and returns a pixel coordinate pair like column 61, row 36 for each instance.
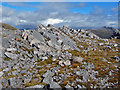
column 51, row 57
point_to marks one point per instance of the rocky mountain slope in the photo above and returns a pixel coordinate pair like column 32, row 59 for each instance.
column 51, row 57
column 6, row 26
column 104, row 32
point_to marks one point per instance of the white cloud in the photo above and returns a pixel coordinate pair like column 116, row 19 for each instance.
column 23, row 21
column 52, row 21
column 111, row 23
column 58, row 14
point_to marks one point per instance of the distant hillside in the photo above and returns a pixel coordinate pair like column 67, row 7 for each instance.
column 6, row 26
column 104, row 32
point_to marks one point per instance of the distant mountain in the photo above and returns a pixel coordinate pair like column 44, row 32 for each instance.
column 104, row 32
column 27, row 28
column 6, row 26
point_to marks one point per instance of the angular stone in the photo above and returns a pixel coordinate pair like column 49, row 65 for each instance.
column 27, row 80
column 34, row 41
column 44, row 58
column 65, row 47
column 48, row 74
column 78, row 59
column 11, row 49
column 10, row 55
column 1, row 73
column 53, row 59
column 54, row 85
column 38, row 36
column 11, row 81
column 67, row 62
column 60, row 42
column 6, row 69
column 68, row 87
column 36, row 86
column 47, row 80
column 25, row 36
column 50, row 43
column 61, row 63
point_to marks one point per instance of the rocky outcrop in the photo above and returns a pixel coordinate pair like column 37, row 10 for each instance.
column 51, row 57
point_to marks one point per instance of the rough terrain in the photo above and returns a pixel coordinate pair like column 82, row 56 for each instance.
column 51, row 57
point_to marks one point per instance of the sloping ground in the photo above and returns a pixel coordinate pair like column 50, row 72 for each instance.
column 105, row 32
column 6, row 26
column 59, row 58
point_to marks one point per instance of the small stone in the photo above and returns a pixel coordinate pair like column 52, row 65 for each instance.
column 50, row 43
column 61, row 63
column 65, row 47
column 1, row 73
column 11, row 49
column 6, row 70
column 78, row 59
column 44, row 58
column 47, row 80
column 53, row 59
column 27, row 80
column 54, row 85
column 10, row 55
column 79, row 86
column 68, row 86
column 48, row 74
column 115, row 45
column 60, row 41
column 25, row 36
column 67, row 63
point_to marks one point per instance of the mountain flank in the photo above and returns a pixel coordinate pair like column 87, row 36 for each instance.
column 6, row 26
column 49, row 57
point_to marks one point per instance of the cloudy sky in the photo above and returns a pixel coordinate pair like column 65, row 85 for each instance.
column 73, row 14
